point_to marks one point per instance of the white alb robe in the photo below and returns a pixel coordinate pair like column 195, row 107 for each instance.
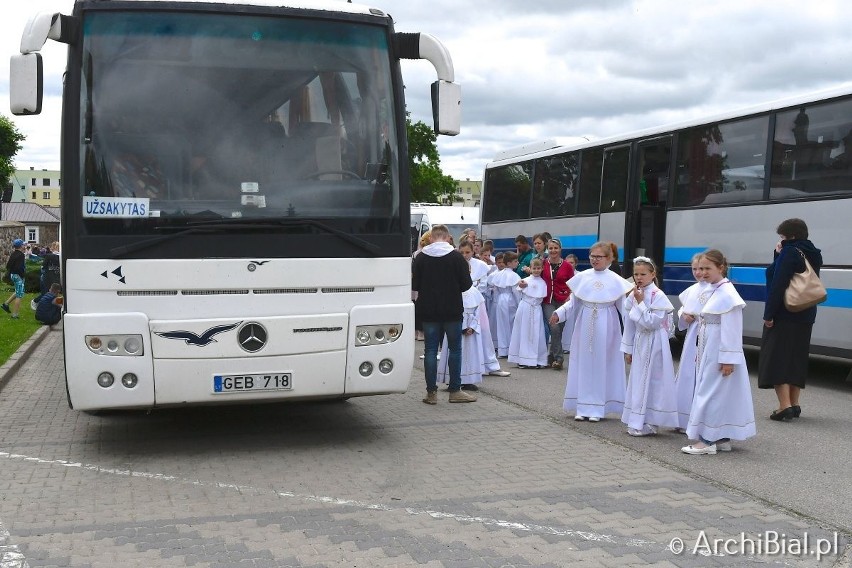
column 505, row 299
column 527, row 345
column 596, row 372
column 471, row 362
column 651, row 396
column 692, row 299
column 722, row 407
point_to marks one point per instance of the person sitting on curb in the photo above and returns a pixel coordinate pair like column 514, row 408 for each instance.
column 49, row 309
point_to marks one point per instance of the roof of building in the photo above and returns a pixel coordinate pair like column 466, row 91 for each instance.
column 28, row 213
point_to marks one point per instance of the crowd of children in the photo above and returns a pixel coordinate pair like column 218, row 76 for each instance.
column 617, row 336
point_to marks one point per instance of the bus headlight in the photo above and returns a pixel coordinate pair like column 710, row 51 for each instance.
column 377, row 334
column 129, row 380
column 116, row 345
column 366, row 369
column 106, row 379
column 385, row 366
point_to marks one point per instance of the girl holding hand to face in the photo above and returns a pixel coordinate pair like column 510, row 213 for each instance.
column 650, row 400
column 722, row 408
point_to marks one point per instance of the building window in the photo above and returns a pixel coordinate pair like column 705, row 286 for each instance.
column 45, row 195
column 34, row 196
column 45, row 182
column 32, row 234
column 33, row 180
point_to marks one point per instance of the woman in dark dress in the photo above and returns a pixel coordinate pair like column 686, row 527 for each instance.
column 787, row 335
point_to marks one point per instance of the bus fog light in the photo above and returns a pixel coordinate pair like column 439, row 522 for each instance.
column 393, row 332
column 379, row 335
column 363, row 336
column 129, row 380
column 385, row 366
column 94, row 342
column 133, row 344
column 106, row 379
column 112, row 346
column 366, row 369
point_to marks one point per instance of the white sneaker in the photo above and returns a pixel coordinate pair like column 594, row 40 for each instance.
column 647, row 430
column 724, row 446
column 579, row 418
column 706, row 450
column 33, row 305
column 499, row 373
column 594, row 419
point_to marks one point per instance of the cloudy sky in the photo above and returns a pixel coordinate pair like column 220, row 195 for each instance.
column 558, row 69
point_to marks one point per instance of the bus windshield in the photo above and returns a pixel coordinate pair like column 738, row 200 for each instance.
column 199, row 117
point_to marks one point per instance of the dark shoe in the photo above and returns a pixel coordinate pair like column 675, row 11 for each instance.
column 6, row 308
column 782, row 415
column 469, row 388
column 557, row 365
column 549, row 360
column 797, row 411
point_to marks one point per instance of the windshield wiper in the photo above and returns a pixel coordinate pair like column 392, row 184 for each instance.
column 221, row 225
column 206, row 227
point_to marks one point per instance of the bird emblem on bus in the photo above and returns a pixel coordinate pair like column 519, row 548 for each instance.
column 191, row 338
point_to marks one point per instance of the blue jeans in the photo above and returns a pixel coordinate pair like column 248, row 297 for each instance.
column 433, row 331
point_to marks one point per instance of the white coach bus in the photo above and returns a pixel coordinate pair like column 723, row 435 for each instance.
column 235, row 205
column 721, row 182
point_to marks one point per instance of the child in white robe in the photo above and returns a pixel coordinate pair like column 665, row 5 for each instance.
column 471, row 364
column 527, row 344
column 722, row 408
column 490, row 300
column 596, row 372
column 505, row 297
column 651, row 399
column 691, row 301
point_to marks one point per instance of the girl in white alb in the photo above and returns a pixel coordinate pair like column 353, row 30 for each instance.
column 505, row 297
column 691, row 304
column 471, row 363
column 650, row 401
column 596, row 370
column 527, row 345
column 722, row 408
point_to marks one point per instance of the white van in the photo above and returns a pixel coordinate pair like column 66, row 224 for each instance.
column 456, row 218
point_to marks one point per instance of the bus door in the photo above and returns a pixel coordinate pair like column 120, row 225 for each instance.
column 615, row 177
column 645, row 230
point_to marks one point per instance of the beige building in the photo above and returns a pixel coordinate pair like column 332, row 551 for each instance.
column 468, row 193
column 40, row 186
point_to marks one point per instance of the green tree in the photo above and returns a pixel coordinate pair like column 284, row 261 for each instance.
column 10, row 143
column 424, row 164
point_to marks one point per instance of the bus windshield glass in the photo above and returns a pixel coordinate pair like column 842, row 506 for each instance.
column 200, row 117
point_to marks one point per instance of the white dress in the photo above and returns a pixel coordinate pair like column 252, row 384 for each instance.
column 527, row 345
column 479, row 272
column 505, row 299
column 471, row 364
column 722, row 407
column 596, row 372
column 651, row 396
column 691, row 303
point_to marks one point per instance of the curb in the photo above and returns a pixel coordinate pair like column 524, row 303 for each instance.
column 22, row 354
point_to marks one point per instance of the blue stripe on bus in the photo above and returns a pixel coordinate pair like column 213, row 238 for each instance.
column 838, row 298
column 682, row 254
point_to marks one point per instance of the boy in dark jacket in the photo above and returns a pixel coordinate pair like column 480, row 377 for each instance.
column 15, row 266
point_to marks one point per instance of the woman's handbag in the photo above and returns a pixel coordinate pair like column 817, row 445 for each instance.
column 805, row 289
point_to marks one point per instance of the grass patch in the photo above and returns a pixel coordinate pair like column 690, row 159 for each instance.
column 14, row 332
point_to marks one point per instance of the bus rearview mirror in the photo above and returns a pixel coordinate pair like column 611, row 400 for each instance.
column 25, row 83
column 446, row 107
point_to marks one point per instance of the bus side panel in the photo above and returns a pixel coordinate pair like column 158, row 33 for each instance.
column 612, row 229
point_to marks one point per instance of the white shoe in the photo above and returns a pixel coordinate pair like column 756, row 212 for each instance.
column 646, row 430
column 579, row 418
column 594, row 419
column 724, row 446
column 33, row 305
column 706, row 450
column 499, row 373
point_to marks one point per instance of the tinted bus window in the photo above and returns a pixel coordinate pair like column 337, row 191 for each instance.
column 812, row 151
column 722, row 163
column 590, row 181
column 555, row 186
column 615, row 173
column 507, row 192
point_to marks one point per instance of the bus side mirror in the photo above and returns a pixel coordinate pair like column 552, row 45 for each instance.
column 446, row 107
column 26, row 83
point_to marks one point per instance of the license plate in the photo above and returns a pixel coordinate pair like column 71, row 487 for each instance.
column 226, row 384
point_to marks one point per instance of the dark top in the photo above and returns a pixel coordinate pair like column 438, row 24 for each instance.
column 439, row 282
column 47, row 312
column 778, row 275
column 16, row 263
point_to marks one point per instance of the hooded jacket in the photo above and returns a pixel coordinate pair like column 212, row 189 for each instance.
column 440, row 276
